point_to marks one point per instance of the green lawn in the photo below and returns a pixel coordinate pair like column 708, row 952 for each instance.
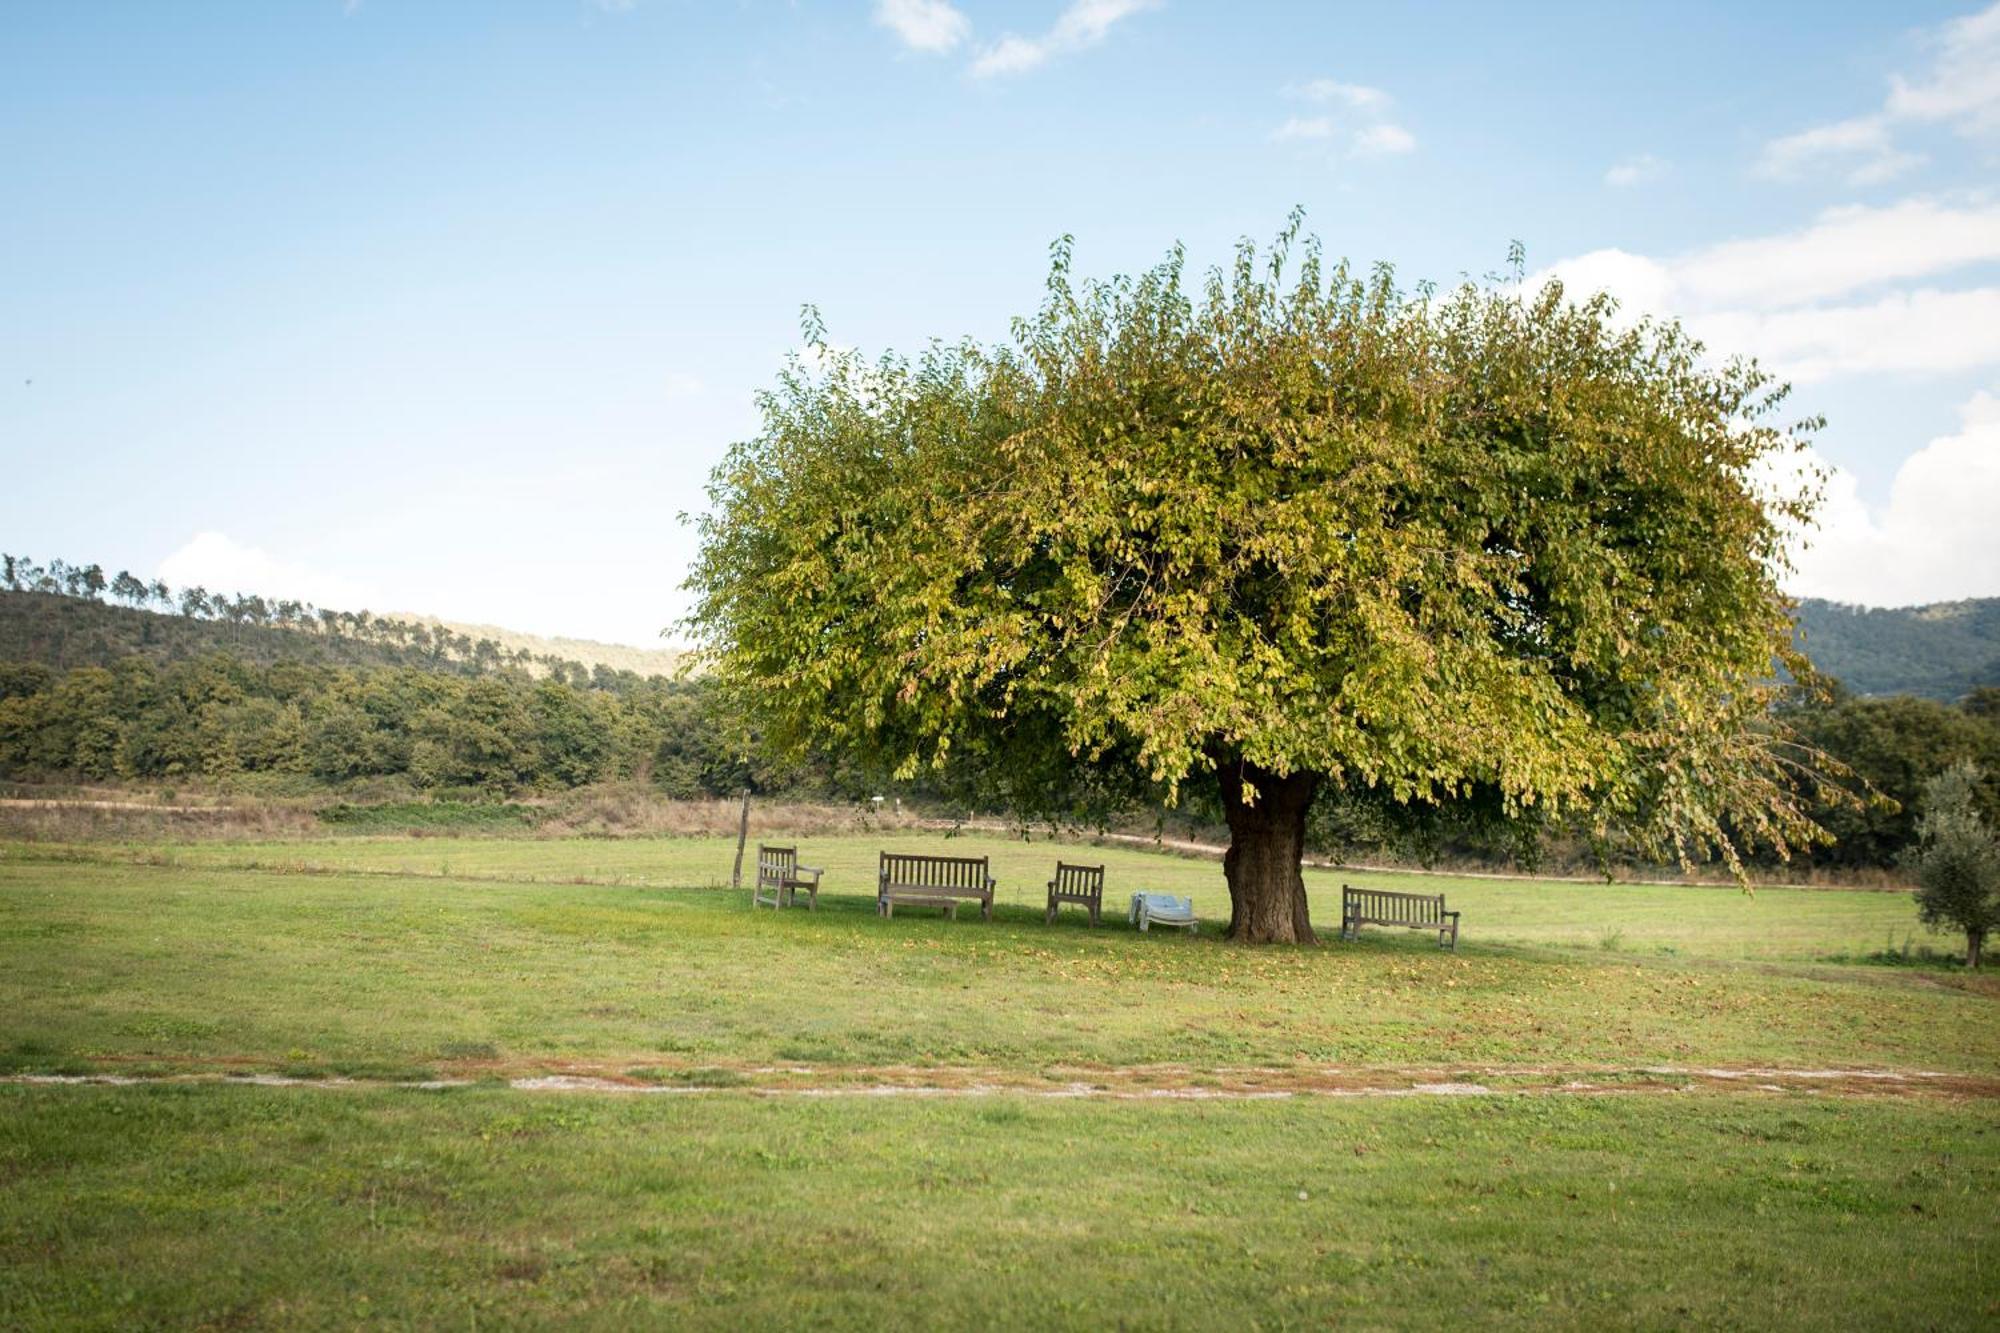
column 175, row 966
column 729, row 1197
column 1710, row 921
column 231, row 1207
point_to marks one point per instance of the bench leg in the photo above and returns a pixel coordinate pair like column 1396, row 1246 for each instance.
column 1094, row 908
column 986, row 910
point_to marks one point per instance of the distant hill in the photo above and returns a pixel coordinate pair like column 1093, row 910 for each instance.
column 1940, row 651
column 587, row 652
column 66, row 631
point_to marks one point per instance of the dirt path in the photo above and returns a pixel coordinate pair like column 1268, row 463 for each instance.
column 1134, row 1083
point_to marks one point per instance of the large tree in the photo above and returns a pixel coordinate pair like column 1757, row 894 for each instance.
column 1481, row 548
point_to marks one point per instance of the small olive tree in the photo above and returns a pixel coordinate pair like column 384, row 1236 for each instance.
column 1296, row 527
column 1957, row 860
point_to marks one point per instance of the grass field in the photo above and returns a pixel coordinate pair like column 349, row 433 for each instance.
column 831, row 1119
column 230, row 1206
column 1718, row 922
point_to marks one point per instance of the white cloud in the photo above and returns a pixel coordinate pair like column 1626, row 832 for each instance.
column 1960, row 91
column 1963, row 86
column 1636, row 171
column 214, row 561
column 1304, row 127
column 1081, row 24
column 931, row 26
column 1776, row 297
column 1935, row 540
column 1863, row 144
column 1923, row 332
column 679, row 385
column 1384, row 140
column 1359, row 119
column 1844, row 250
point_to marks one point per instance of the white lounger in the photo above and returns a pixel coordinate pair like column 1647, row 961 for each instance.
column 1165, row 909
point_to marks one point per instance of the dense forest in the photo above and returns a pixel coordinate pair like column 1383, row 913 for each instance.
column 220, row 718
column 241, row 690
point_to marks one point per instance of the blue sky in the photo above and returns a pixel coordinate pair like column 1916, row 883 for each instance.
column 450, row 308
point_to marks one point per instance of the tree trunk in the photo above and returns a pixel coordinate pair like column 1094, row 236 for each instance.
column 1267, row 841
column 1975, row 942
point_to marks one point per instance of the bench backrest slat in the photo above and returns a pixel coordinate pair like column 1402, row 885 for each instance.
column 906, row 871
column 1392, row 908
column 774, row 862
column 1078, row 879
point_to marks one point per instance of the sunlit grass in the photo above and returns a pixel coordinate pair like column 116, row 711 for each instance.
column 1706, row 921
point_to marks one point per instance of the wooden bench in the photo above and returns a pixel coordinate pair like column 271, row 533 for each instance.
column 779, row 871
column 1380, row 907
column 1083, row 885
column 933, row 881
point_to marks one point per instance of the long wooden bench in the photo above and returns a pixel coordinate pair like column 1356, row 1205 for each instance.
column 1380, row 907
column 1083, row 885
column 933, row 881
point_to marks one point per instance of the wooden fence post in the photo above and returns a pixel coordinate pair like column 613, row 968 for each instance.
column 742, row 834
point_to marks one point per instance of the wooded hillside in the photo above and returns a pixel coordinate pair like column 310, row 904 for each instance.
column 1940, row 651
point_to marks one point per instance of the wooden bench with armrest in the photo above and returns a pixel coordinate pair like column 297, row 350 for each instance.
column 1083, row 885
column 780, row 877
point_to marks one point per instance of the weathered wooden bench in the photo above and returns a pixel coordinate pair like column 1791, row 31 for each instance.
column 933, row 881
column 779, row 872
column 1380, row 907
column 1083, row 885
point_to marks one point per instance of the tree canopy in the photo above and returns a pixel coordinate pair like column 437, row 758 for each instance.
column 1292, row 527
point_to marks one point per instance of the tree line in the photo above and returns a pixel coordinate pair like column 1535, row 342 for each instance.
column 221, row 719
